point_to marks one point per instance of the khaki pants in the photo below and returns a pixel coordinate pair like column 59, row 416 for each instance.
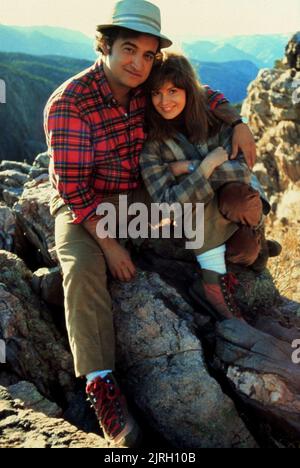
column 88, row 305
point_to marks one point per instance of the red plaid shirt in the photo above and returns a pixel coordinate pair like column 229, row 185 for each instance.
column 93, row 142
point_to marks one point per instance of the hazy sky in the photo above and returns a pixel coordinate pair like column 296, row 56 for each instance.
column 179, row 17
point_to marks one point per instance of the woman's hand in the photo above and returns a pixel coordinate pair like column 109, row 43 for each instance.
column 213, row 160
column 179, row 168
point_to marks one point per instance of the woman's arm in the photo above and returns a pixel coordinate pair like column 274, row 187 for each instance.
column 213, row 160
column 162, row 184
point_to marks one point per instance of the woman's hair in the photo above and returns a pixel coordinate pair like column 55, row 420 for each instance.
column 198, row 119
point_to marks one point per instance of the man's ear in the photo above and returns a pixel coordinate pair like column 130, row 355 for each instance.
column 106, row 48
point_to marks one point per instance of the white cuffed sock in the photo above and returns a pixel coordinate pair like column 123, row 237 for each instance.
column 94, row 375
column 214, row 260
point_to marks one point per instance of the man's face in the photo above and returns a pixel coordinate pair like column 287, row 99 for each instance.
column 130, row 61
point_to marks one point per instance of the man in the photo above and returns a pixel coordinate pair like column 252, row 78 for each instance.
column 94, row 125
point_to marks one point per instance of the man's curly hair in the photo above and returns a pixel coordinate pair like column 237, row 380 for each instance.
column 110, row 35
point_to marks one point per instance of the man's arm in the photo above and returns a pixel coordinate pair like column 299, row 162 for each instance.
column 242, row 137
column 69, row 143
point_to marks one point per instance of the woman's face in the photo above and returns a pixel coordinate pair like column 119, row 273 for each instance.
column 168, row 100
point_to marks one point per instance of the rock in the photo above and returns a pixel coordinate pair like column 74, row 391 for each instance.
column 35, row 349
column 292, row 52
column 16, row 166
column 11, row 196
column 289, row 206
column 37, row 172
column 273, row 111
column 42, row 160
column 47, row 283
column 7, row 228
column 186, row 405
column 13, row 177
column 24, row 428
column 32, row 399
column 33, row 216
column 261, row 370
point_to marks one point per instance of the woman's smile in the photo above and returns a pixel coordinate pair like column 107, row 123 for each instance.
column 169, row 101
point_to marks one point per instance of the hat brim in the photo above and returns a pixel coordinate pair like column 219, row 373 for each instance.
column 164, row 41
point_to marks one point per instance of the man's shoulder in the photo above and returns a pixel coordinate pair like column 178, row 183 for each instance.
column 76, row 88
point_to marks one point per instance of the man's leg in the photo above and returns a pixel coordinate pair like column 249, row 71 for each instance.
column 90, row 327
column 88, row 310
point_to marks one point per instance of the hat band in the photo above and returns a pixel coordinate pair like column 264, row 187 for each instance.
column 137, row 19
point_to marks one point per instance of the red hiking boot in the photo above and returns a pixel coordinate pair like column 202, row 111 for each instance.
column 110, row 405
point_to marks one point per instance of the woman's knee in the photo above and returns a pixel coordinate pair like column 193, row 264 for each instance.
column 240, row 203
column 244, row 246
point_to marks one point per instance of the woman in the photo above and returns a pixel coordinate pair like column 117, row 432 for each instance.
column 186, row 160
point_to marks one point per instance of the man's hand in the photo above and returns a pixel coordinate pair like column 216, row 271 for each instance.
column 243, row 140
column 118, row 260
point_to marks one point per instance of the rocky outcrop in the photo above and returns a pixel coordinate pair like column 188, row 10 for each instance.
column 292, row 52
column 35, row 350
column 21, row 427
column 157, row 343
column 273, row 110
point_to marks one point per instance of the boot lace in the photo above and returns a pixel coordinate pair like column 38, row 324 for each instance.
column 106, row 398
column 229, row 283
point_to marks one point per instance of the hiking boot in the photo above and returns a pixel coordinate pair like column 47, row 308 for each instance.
column 215, row 292
column 269, row 248
column 110, row 405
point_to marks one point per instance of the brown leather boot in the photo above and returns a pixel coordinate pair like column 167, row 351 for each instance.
column 269, row 248
column 215, row 293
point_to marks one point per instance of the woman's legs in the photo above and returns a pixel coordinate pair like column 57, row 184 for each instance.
column 240, row 205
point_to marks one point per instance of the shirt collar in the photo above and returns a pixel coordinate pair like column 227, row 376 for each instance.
column 105, row 90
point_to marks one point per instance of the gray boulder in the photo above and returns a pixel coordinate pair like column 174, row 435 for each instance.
column 163, row 366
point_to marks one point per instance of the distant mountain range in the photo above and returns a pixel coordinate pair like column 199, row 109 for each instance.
column 46, row 40
column 29, row 82
column 232, row 78
column 262, row 50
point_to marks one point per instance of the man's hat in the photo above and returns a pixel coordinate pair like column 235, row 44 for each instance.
column 138, row 15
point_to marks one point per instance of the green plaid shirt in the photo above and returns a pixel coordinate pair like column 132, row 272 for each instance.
column 164, row 187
